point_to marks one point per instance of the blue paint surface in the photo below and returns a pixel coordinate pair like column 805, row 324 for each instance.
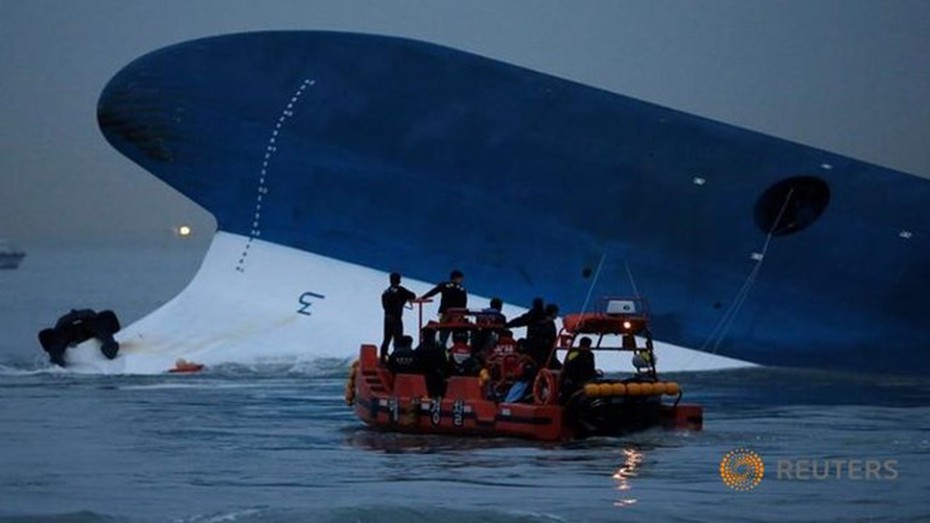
column 402, row 155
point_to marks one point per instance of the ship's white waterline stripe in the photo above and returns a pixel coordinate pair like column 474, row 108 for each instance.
column 290, row 306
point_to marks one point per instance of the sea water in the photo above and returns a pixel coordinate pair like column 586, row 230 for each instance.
column 277, row 442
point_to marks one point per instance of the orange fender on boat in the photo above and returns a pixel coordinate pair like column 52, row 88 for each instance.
column 546, row 388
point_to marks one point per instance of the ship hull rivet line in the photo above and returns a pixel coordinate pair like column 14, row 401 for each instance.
column 262, row 189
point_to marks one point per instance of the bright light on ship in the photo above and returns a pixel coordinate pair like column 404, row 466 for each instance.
column 184, row 231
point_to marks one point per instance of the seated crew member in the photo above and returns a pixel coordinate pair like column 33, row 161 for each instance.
column 461, row 360
column 405, row 343
column 505, row 343
column 501, row 343
column 578, row 368
column 427, row 339
column 525, row 373
column 432, row 362
column 516, row 366
column 403, row 359
column 485, row 337
column 454, row 296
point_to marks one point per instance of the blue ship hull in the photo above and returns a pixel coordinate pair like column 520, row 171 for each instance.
column 402, row 155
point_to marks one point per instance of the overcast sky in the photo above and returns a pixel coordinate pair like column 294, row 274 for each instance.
column 849, row 76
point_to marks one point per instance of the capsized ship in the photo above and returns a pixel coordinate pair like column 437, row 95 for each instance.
column 330, row 158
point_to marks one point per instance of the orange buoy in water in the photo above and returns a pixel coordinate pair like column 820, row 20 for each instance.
column 634, row 389
column 184, row 366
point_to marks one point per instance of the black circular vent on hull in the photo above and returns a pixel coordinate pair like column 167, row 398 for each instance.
column 803, row 198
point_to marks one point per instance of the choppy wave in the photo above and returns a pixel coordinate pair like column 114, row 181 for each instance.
column 315, row 368
column 357, row 514
column 275, row 442
column 72, row 517
column 272, row 440
column 377, row 513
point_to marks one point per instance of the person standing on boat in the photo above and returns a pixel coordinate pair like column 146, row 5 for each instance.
column 578, row 369
column 530, row 318
column 393, row 300
column 540, row 332
column 454, row 296
column 543, row 339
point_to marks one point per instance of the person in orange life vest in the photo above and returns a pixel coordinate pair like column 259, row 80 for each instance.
column 526, row 373
column 461, row 360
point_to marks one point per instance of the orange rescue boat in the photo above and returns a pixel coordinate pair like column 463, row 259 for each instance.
column 417, row 392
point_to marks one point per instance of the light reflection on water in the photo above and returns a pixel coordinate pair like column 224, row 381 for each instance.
column 625, row 474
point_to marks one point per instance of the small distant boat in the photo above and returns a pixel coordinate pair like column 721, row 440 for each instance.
column 182, row 366
column 10, row 256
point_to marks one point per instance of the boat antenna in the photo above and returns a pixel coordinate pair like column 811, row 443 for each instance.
column 597, row 275
column 629, row 274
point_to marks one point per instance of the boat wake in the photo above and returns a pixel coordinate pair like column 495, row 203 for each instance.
column 322, row 368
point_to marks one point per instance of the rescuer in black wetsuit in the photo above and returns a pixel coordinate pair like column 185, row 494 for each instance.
column 392, row 300
column 454, row 296
column 544, row 340
column 432, row 362
column 530, row 317
column 540, row 332
column 578, row 369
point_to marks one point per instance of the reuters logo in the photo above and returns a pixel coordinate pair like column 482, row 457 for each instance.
column 741, row 469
